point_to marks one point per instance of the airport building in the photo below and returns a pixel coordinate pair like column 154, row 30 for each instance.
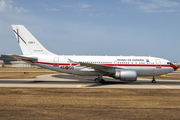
column 20, row 64
column 1, row 63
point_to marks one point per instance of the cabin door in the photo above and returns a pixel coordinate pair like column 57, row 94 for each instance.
column 56, row 62
column 115, row 63
column 158, row 63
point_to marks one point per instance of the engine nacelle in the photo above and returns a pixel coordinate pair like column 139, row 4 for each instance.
column 126, row 75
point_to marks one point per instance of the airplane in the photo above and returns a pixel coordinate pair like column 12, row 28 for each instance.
column 124, row 68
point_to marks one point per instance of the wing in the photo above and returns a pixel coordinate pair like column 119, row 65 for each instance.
column 30, row 59
column 98, row 67
column 104, row 68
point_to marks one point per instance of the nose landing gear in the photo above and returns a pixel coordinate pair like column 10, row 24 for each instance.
column 154, row 81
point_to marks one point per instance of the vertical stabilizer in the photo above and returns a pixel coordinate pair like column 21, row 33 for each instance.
column 27, row 42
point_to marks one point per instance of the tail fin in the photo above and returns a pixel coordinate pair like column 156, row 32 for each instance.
column 27, row 42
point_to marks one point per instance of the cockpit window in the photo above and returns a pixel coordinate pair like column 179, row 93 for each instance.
column 169, row 63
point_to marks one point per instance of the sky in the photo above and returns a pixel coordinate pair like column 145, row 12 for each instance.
column 95, row 27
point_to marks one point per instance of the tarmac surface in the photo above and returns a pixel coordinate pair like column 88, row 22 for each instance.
column 71, row 81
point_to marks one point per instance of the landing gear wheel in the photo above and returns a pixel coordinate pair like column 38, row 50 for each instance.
column 102, row 81
column 153, row 81
column 97, row 81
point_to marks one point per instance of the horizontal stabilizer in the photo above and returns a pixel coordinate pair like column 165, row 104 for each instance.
column 31, row 59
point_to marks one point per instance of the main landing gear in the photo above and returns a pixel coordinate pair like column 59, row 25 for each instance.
column 154, row 81
column 99, row 79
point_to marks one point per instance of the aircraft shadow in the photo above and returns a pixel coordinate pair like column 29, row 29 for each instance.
column 90, row 82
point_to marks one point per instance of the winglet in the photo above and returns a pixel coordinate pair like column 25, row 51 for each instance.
column 71, row 62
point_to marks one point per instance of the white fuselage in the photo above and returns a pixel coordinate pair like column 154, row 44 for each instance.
column 144, row 66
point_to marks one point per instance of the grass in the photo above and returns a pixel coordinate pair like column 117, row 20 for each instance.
column 98, row 104
column 22, row 75
column 22, row 69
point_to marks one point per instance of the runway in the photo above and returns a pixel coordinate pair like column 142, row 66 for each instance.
column 71, row 81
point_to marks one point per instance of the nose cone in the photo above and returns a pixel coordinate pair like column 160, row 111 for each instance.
column 174, row 67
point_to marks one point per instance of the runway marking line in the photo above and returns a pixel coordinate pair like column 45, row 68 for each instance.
column 166, row 86
column 78, row 76
column 78, row 86
column 163, row 75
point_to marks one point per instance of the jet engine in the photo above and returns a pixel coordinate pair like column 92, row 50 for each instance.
column 126, row 75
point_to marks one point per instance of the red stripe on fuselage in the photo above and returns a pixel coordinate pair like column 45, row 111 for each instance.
column 129, row 65
column 56, row 63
